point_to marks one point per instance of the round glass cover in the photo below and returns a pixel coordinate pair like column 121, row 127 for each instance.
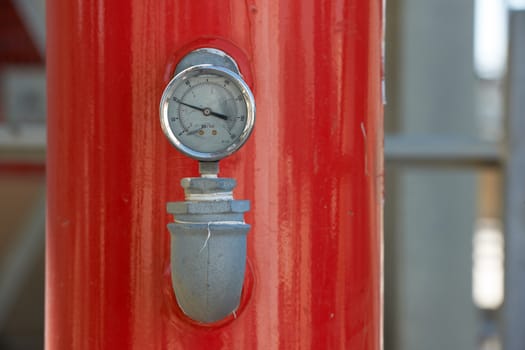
column 207, row 112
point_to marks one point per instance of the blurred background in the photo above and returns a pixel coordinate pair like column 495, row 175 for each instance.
column 455, row 184
column 22, row 173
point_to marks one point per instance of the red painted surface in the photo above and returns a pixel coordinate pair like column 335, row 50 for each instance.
column 312, row 169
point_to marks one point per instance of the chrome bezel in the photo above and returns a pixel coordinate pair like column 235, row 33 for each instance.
column 196, row 71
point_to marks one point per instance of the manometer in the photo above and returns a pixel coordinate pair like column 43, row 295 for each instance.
column 207, row 112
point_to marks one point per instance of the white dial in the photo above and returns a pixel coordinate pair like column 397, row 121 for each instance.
column 207, row 112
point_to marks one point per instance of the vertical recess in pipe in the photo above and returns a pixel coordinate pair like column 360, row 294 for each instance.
column 312, row 171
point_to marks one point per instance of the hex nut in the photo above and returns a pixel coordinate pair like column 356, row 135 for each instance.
column 208, row 207
column 207, row 185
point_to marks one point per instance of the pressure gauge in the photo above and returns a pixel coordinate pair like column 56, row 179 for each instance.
column 207, row 112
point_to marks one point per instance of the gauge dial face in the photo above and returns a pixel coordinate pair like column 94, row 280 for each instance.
column 207, row 112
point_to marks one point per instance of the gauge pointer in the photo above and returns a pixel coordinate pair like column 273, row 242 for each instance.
column 205, row 111
column 216, row 114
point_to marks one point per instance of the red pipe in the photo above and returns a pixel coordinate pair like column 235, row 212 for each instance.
column 313, row 170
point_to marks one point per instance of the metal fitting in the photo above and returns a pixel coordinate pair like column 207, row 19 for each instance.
column 208, row 248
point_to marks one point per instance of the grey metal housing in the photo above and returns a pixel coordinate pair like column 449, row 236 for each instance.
column 208, row 250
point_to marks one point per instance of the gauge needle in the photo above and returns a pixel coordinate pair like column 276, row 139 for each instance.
column 205, row 111
column 220, row 115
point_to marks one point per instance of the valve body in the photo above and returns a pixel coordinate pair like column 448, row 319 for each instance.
column 208, row 248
